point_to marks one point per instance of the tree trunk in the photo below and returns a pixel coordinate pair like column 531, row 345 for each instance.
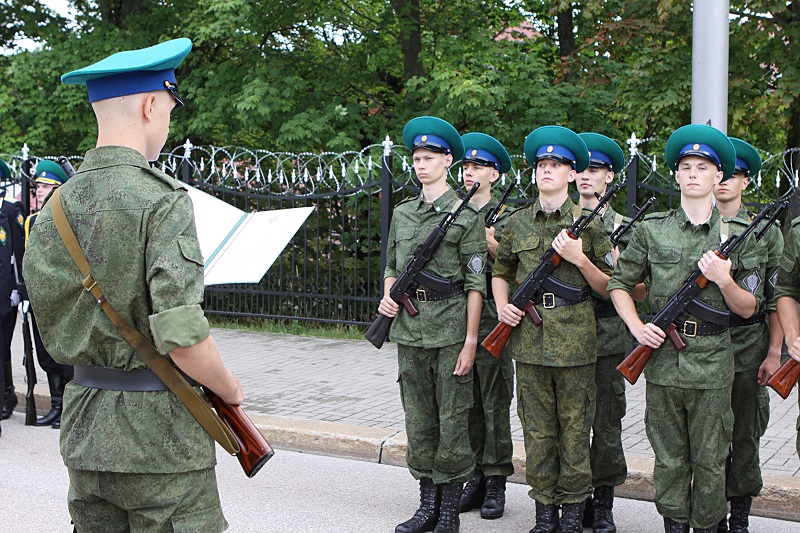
column 408, row 14
column 566, row 33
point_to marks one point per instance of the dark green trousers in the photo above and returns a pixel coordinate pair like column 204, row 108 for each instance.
column 690, row 432
column 436, row 405
column 490, row 416
column 607, row 456
column 750, row 403
column 556, row 407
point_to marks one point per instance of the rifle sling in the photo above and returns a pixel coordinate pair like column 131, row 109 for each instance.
column 159, row 364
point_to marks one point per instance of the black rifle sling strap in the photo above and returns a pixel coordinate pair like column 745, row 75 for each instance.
column 159, row 364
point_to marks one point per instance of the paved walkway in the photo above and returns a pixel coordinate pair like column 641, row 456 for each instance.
column 351, row 382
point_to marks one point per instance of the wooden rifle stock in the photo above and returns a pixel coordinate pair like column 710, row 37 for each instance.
column 784, row 379
column 496, row 341
column 632, row 366
column 254, row 450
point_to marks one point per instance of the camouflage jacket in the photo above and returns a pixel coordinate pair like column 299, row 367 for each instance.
column 612, row 333
column 489, row 314
column 136, row 228
column 460, row 257
column 788, row 279
column 568, row 335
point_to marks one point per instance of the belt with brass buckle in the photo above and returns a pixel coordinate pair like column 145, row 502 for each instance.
column 429, row 295
column 691, row 328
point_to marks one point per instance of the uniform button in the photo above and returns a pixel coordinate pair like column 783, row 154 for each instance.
column 438, row 209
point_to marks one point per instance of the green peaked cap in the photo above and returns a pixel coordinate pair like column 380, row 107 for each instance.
column 429, row 132
column 603, row 150
column 697, row 139
column 559, row 143
column 475, row 146
column 5, row 172
column 748, row 153
column 49, row 172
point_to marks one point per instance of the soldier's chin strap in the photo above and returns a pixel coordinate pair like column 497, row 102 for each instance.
column 159, row 364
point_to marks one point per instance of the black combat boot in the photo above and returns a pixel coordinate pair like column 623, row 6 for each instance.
column 670, row 526
column 546, row 518
column 474, row 492
column 9, row 396
column 56, row 382
column 603, row 503
column 740, row 514
column 428, row 513
column 712, row 529
column 448, row 508
column 588, row 512
column 571, row 516
column 722, row 527
column 494, row 504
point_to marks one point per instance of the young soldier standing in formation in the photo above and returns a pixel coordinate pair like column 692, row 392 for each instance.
column 436, row 348
column 757, row 345
column 609, row 468
column 555, row 361
column 689, row 418
column 493, row 378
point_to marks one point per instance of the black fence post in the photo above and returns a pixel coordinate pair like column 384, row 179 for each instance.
column 632, row 174
column 186, row 170
column 24, row 179
column 386, row 202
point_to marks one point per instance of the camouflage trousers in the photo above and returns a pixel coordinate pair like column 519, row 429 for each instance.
column 556, row 407
column 436, row 405
column 607, row 456
column 750, row 403
column 110, row 502
column 690, row 432
column 490, row 418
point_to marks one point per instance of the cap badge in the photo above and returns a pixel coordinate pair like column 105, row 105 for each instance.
column 696, row 147
column 424, row 138
column 474, row 152
column 549, row 149
column 43, row 174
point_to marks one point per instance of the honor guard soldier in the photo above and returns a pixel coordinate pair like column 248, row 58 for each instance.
column 554, row 361
column 609, row 468
column 9, row 291
column 137, row 459
column 49, row 175
column 757, row 344
column 689, row 418
column 436, row 348
column 485, row 159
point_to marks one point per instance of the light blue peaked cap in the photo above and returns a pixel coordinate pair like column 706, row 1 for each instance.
column 132, row 71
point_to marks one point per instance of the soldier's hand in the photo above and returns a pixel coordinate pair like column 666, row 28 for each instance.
column 465, row 360
column 510, row 314
column 491, row 242
column 25, row 307
column 794, row 349
column 768, row 367
column 14, row 298
column 615, row 254
column 650, row 335
column 388, row 307
column 234, row 394
column 715, row 268
column 569, row 249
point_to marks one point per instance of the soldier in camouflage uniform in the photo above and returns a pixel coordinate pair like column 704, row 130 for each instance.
column 436, row 348
column 555, row 360
column 493, row 378
column 136, row 457
column 689, row 418
column 609, row 468
column 757, row 344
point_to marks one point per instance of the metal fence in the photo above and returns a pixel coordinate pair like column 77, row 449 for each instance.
column 331, row 270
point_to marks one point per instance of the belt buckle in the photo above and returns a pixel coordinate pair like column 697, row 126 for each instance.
column 692, row 328
column 422, row 296
column 548, row 300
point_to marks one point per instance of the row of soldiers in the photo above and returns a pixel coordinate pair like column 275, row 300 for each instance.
column 707, row 406
column 14, row 231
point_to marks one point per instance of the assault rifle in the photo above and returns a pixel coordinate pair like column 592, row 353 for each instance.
column 27, row 346
column 618, row 233
column 66, row 166
column 540, row 279
column 413, row 274
column 683, row 300
column 494, row 213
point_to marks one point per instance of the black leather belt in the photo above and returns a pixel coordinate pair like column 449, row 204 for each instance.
column 757, row 318
column 549, row 300
column 143, row 379
column 423, row 295
column 604, row 309
column 694, row 329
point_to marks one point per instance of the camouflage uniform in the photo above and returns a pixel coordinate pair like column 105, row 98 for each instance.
column 613, row 340
column 688, row 417
column 788, row 278
column 555, row 361
column 750, row 402
column 133, row 457
column 493, row 387
column 436, row 402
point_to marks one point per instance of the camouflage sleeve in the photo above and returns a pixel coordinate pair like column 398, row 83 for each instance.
column 601, row 247
column 633, row 266
column 474, row 256
column 174, row 266
column 788, row 282
column 505, row 264
column 623, row 242
column 746, row 270
column 391, row 256
column 774, row 244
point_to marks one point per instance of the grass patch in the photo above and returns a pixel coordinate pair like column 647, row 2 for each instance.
column 290, row 327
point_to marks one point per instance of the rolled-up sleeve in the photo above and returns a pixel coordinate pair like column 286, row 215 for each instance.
column 788, row 281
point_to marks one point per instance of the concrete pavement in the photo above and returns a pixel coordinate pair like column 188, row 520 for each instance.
column 340, row 397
